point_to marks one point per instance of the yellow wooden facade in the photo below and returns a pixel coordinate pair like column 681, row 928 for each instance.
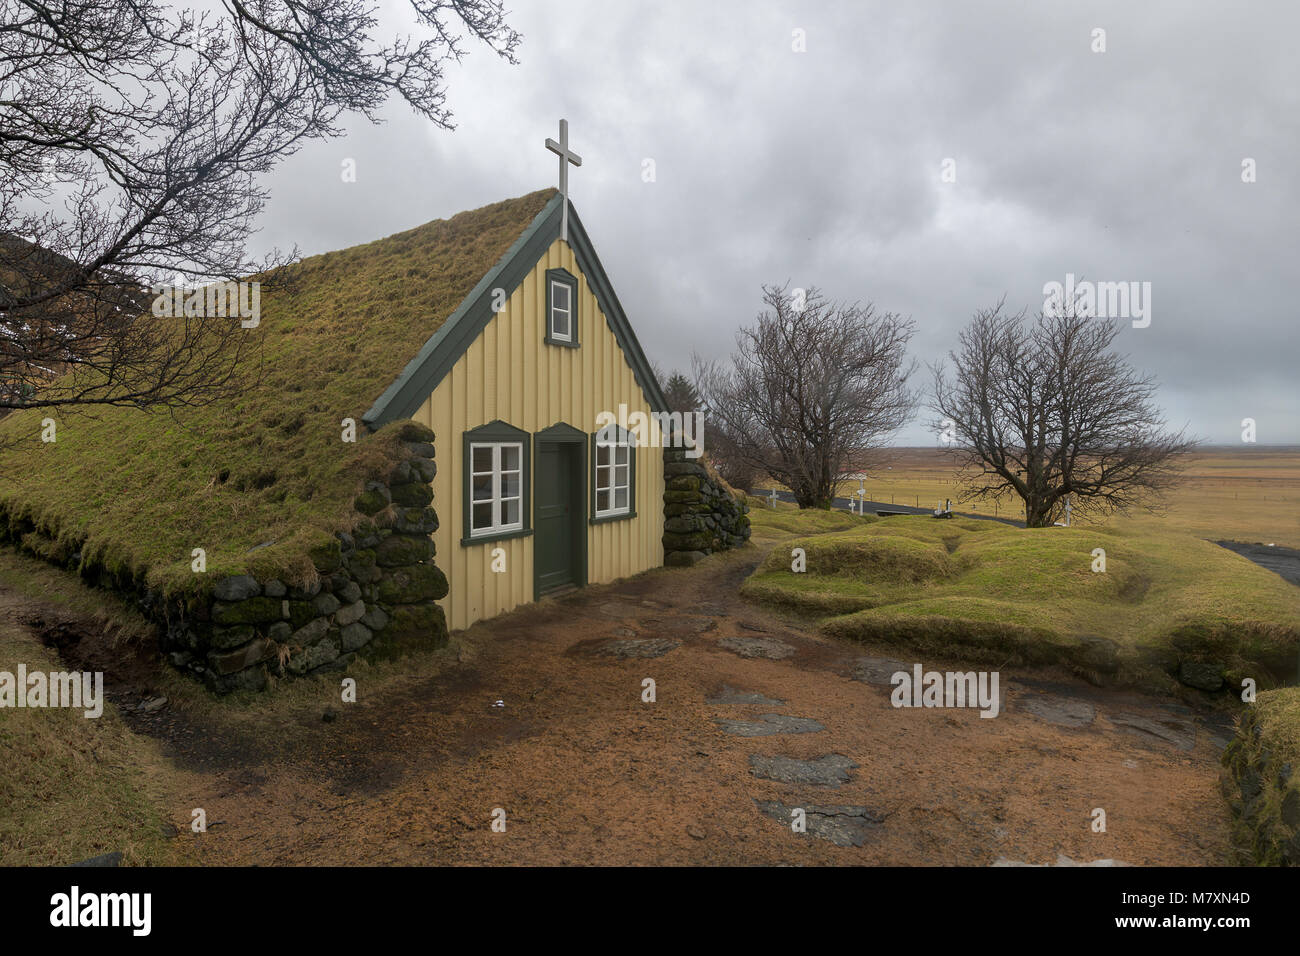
column 510, row 374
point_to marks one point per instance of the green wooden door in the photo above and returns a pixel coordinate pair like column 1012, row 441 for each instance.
column 558, row 520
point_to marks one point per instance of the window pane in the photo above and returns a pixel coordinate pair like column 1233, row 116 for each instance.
column 621, row 455
column 510, row 485
column 560, row 324
column 560, row 296
column 510, row 511
column 482, row 487
column 482, row 458
column 482, row 516
column 620, row 499
column 602, row 454
column 620, row 476
column 509, row 457
column 602, row 477
column 602, row 500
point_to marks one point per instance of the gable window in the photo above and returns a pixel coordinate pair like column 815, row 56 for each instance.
column 561, row 308
column 613, row 485
column 496, row 483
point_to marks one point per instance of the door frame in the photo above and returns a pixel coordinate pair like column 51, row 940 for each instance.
column 562, row 433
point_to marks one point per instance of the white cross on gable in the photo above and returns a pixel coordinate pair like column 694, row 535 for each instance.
column 566, row 156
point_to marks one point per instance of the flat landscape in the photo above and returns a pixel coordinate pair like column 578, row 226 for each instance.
column 1248, row 493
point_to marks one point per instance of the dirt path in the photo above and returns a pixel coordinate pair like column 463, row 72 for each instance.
column 588, row 773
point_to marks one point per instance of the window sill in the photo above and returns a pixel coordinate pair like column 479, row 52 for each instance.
column 606, row 519
column 562, row 343
column 489, row 538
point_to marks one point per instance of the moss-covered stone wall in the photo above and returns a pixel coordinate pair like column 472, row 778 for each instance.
column 700, row 514
column 373, row 591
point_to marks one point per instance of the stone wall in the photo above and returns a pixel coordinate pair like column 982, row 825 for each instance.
column 375, row 593
column 700, row 514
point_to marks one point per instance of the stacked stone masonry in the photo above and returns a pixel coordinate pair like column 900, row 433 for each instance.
column 700, row 515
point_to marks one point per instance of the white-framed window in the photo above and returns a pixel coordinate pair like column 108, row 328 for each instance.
column 496, row 487
column 613, row 485
column 561, row 308
column 561, row 311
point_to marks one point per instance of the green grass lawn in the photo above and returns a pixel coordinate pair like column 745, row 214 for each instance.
column 1168, row 604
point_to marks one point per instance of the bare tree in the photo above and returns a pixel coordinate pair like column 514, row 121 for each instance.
column 133, row 134
column 810, row 390
column 1046, row 409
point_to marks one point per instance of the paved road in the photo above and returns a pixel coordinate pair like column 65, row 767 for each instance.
column 876, row 506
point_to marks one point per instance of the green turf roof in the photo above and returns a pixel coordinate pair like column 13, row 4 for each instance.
column 261, row 478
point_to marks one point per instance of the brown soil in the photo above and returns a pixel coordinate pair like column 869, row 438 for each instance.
column 589, row 774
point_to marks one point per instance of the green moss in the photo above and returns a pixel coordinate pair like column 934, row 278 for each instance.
column 411, row 585
column 410, row 626
column 414, row 431
column 370, row 502
column 252, row 611
column 412, row 495
column 398, row 550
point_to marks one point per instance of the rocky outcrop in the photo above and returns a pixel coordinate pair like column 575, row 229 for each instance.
column 701, row 515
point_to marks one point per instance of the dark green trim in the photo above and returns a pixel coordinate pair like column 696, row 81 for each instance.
column 436, row 358
column 567, row 278
column 469, row 542
column 631, row 477
column 565, row 434
column 496, row 431
column 560, row 431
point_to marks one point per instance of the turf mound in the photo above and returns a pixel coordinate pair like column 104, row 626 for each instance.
column 1167, row 609
column 1259, row 781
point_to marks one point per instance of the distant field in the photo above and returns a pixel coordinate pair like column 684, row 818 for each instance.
column 1239, row 493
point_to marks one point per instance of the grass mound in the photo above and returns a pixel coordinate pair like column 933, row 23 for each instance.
column 262, row 479
column 1259, row 781
column 1167, row 607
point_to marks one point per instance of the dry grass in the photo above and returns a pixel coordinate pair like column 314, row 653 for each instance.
column 1247, row 493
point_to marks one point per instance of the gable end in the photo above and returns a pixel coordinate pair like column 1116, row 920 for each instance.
column 436, row 358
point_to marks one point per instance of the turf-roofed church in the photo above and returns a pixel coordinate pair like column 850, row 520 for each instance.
column 531, row 497
column 424, row 443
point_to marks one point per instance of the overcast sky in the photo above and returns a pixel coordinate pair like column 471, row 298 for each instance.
column 825, row 167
